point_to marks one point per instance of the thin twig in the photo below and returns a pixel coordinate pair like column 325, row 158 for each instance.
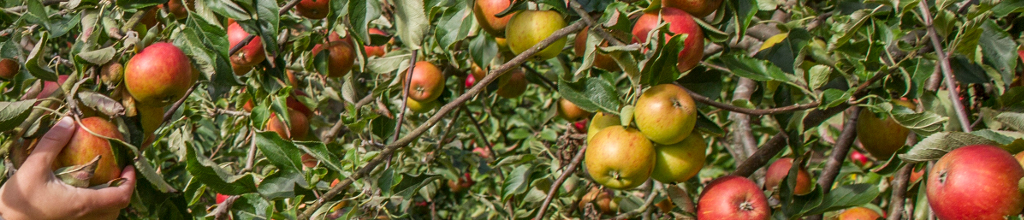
column 241, row 44
column 899, row 191
column 286, row 7
column 547, row 83
column 405, row 94
column 947, row 71
column 732, row 108
column 648, row 203
column 336, row 129
column 222, row 210
column 477, row 88
column 483, row 137
column 174, row 108
column 561, row 179
column 593, row 24
column 839, row 152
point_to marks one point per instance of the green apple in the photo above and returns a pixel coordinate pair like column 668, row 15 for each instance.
column 619, row 158
column 665, row 114
column 680, row 161
column 600, row 121
column 527, row 28
column 882, row 137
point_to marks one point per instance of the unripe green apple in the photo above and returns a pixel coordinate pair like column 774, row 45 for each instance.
column 975, row 182
column 151, row 117
column 427, row 82
column 619, row 158
column 882, row 137
column 158, row 75
column 680, row 161
column 665, row 113
column 570, row 111
column 601, row 121
column 527, row 28
column 679, row 22
column 485, row 11
column 84, row 147
column 420, row 107
column 779, row 170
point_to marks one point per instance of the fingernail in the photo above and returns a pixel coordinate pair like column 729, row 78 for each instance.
column 65, row 123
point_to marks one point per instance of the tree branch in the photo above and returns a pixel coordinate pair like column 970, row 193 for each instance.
column 174, row 108
column 839, row 152
column 758, row 112
column 405, row 93
column 561, row 179
column 947, row 71
column 899, row 191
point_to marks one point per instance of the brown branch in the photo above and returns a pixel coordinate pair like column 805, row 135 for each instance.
column 240, row 44
column 899, row 191
column 174, row 108
column 758, row 112
column 947, row 71
column 839, row 152
column 405, row 93
column 338, row 126
column 561, row 179
column 479, row 87
column 286, row 7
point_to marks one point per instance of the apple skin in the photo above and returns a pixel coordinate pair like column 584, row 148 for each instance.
column 8, row 68
column 250, row 54
column 84, row 146
column 882, row 137
column 178, row 7
column 975, row 182
column 462, row 184
column 477, row 72
column 680, row 161
column 698, row 8
column 313, row 9
column 858, row 213
column 601, row 121
column 602, row 61
column 779, row 170
column 1020, row 157
column 112, row 73
column 377, row 51
column 340, row 56
column 858, row 157
column 570, row 111
column 151, row 117
column 427, row 82
column 603, row 201
column 299, row 128
column 309, row 160
column 512, row 84
column 420, row 107
column 527, row 28
column 221, row 198
column 158, row 75
column 732, row 197
column 620, row 158
column 50, row 86
column 484, row 11
column 470, row 81
column 665, row 113
column 679, row 22
column 502, row 43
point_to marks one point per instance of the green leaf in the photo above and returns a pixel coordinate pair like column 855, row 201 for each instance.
column 591, row 94
column 749, row 67
column 818, row 76
column 516, row 182
column 846, row 196
column 319, row 151
column 266, row 10
column 13, row 114
column 101, row 103
column 207, row 172
column 152, row 176
column 662, row 68
column 938, row 144
column 98, row 57
column 281, row 184
column 412, row 22
column 783, row 54
column 361, row 13
column 280, row 152
column 1013, row 120
column 36, row 63
column 1007, row 7
column 454, row 25
column 834, row 97
column 410, row 185
column 483, row 49
column 999, row 49
column 923, row 123
column 745, row 11
column 138, row 4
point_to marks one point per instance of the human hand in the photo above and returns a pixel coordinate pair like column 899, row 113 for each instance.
column 35, row 193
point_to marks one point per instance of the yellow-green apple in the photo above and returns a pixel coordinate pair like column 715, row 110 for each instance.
column 477, row 72
column 779, row 170
column 512, row 84
column 602, row 61
column 151, row 117
column 527, row 28
column 84, row 147
column 8, row 68
column 601, row 121
column 1020, row 157
column 299, row 125
column 250, row 54
column 158, row 75
column 882, row 137
column 502, row 43
column 858, row 213
column 313, row 9
column 733, row 197
column 421, row 107
column 679, row 22
column 619, row 158
column 426, row 83
column 570, row 111
column 699, row 8
column 975, row 182
column 485, row 11
column 665, row 113
column 680, row 161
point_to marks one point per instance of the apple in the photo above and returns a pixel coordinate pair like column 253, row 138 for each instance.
column 601, row 121
column 679, row 22
column 882, row 137
column 527, row 28
column 570, row 111
column 427, row 82
column 779, row 170
column 158, row 75
column 858, row 213
column 151, row 117
column 250, row 54
column 470, row 81
column 698, row 8
column 8, row 68
column 484, row 11
column 420, row 107
column 1020, row 157
column 178, row 7
column 975, row 182
column 580, row 125
column 680, row 161
column 732, row 197
column 148, row 19
column 502, row 43
column 340, row 56
column 602, row 61
column 313, row 9
column 462, row 184
column 477, row 72
column 50, row 86
column 294, row 104
column 240, row 70
column 603, row 201
column 112, row 73
column 858, row 157
column 665, row 113
column 84, row 147
column 377, row 51
column 309, row 160
column 292, row 80
column 916, row 175
column 512, row 84
column 483, row 152
column 620, row 158
column 221, row 198
column 299, row 125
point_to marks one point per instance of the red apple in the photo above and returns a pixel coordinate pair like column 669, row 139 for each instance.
column 733, row 197
column 779, row 170
column 484, row 11
column 112, row 73
column 570, row 111
column 975, row 182
column 8, row 68
column 313, row 9
column 527, row 28
column 340, row 57
column 462, row 184
column 427, row 82
column 50, row 86
column 665, row 113
column 84, row 147
column 858, row 157
column 699, row 8
column 178, row 7
column 600, row 60
column 250, row 54
column 679, row 22
column 858, row 213
column 470, row 80
column 309, row 161
column 378, row 51
column 158, row 75
column 221, row 198
column 619, row 158
column 298, row 129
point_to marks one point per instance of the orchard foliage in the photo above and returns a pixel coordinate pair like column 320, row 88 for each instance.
column 296, row 134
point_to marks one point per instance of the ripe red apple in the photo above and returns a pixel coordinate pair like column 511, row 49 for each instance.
column 149, row 18
column 779, row 170
column 178, row 7
column 665, row 113
column 858, row 213
column 512, row 84
column 8, row 68
column 340, row 56
column 603, row 201
column 975, row 182
column 309, row 161
column 600, row 60
column 732, row 197
column 470, row 81
column 619, row 158
column 221, row 198
column 299, row 125
column 158, row 75
column 570, row 111
column 84, row 147
column 882, row 137
column 680, row 161
column 250, row 54
column 313, row 9
column 294, row 104
column 378, row 51
column 420, row 107
column 527, row 28
column 427, row 82
column 462, row 184
column 483, row 152
column 580, row 125
column 858, row 157
column 484, row 11
column 698, row 8
column 50, row 86
column 601, row 121
column 679, row 22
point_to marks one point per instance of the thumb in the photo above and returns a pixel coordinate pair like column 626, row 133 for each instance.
column 50, row 145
